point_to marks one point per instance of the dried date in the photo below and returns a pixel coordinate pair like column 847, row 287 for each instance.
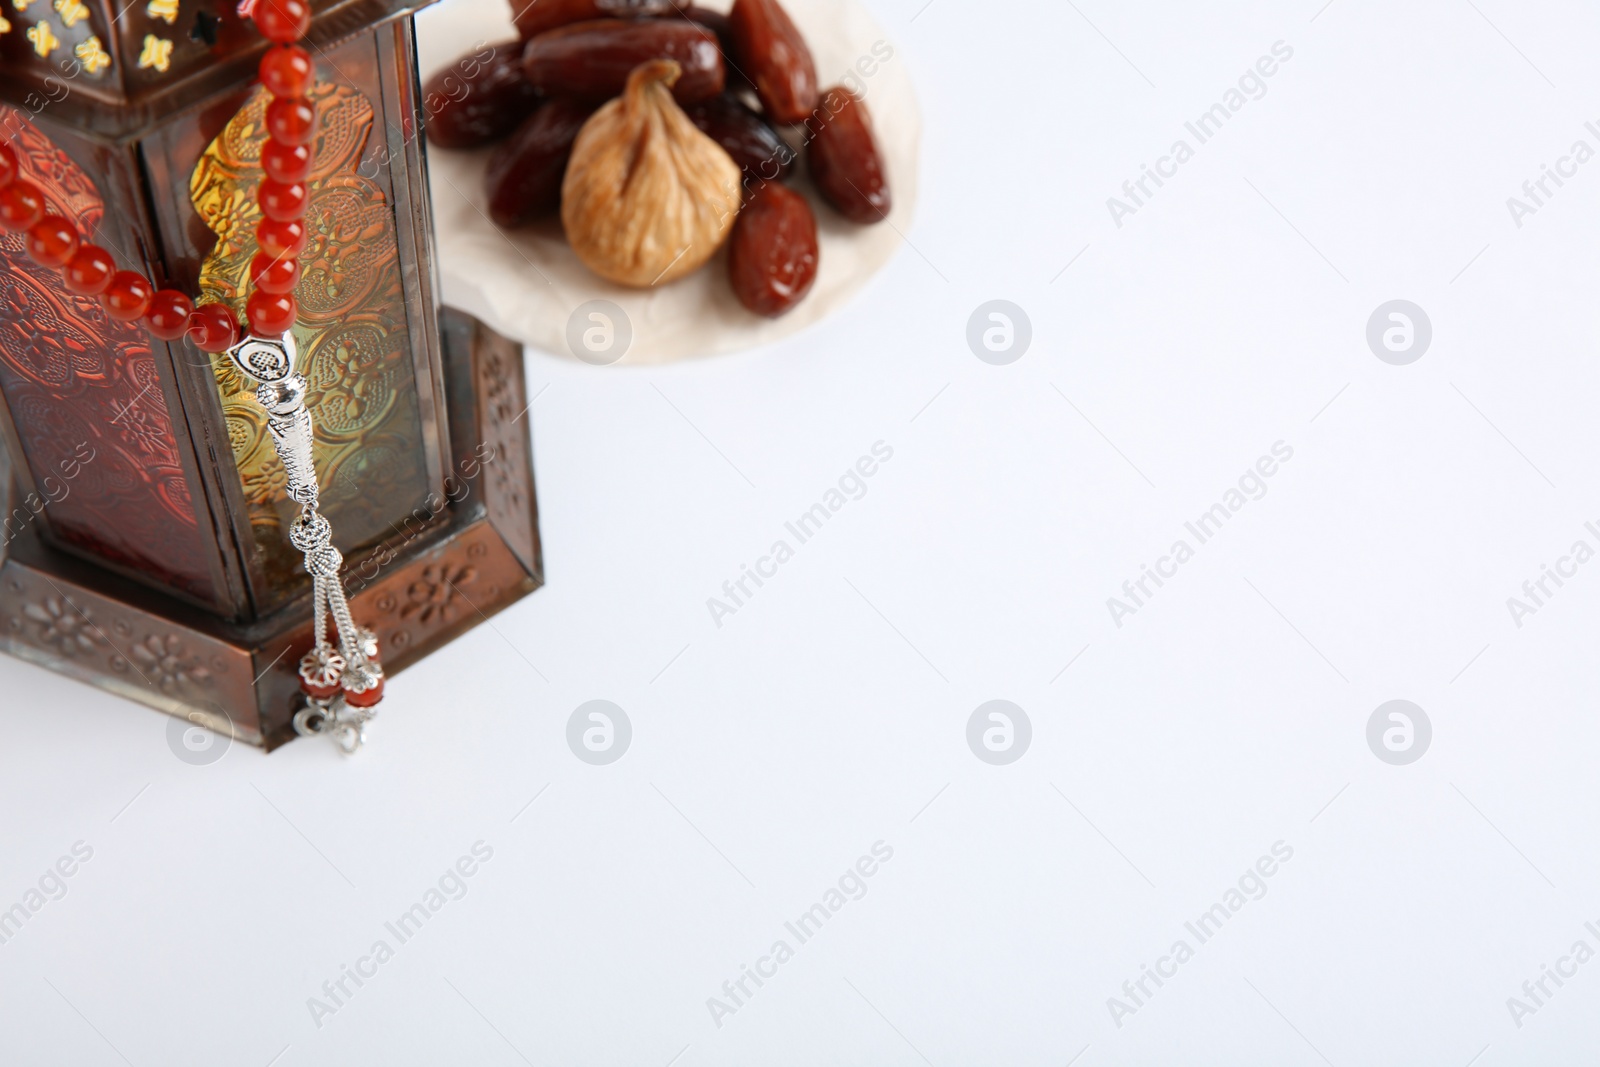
column 843, row 158
column 718, row 23
column 772, row 54
column 534, row 17
column 751, row 140
column 772, row 252
column 592, row 60
column 480, row 97
column 523, row 178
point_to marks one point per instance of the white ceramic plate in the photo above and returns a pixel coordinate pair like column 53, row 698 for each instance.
column 527, row 283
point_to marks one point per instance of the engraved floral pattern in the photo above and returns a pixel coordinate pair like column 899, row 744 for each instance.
column 165, row 663
column 436, row 594
column 62, row 627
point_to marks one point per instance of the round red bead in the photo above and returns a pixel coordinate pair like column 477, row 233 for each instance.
column 128, row 296
column 275, row 274
column 168, row 314
column 287, row 238
column 213, row 328
column 21, row 205
column 271, row 314
column 89, row 271
column 286, row 162
column 366, row 698
column 291, row 119
column 319, row 692
column 283, row 200
column 284, row 21
column 8, row 165
column 287, row 71
column 53, row 241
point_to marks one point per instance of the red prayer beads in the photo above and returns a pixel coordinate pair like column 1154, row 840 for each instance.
column 288, row 238
column 283, row 201
column 364, row 698
column 213, row 328
column 284, row 21
column 284, row 196
column 168, row 315
column 53, row 241
column 21, row 205
column 89, row 271
column 128, row 297
column 286, row 162
column 270, row 314
column 273, row 274
column 286, row 71
column 291, row 120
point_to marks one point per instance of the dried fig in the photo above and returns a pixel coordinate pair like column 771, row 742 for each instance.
column 647, row 197
column 772, row 254
column 773, row 55
column 533, row 17
column 523, row 178
column 761, row 153
column 843, row 157
column 479, row 97
column 592, row 60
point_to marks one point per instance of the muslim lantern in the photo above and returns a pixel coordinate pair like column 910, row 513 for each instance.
column 142, row 537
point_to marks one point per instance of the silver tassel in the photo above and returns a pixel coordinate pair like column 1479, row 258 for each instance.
column 333, row 679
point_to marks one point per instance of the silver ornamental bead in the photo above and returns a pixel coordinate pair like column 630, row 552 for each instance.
column 368, row 643
column 362, row 676
column 321, row 669
column 310, row 531
column 324, row 562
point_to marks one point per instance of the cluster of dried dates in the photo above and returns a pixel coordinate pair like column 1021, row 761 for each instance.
column 657, row 129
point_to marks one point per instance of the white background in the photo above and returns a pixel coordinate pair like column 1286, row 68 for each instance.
column 830, row 712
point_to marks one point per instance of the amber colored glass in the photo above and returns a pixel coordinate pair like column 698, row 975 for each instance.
column 52, row 241
column 21, row 205
column 168, row 314
column 128, row 296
